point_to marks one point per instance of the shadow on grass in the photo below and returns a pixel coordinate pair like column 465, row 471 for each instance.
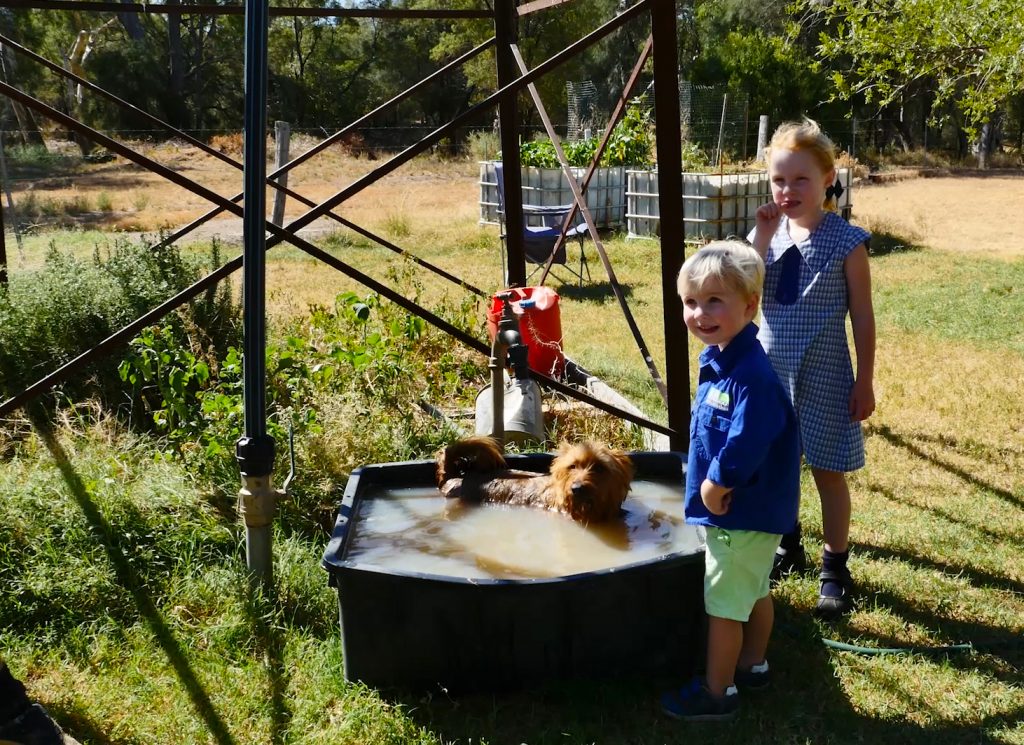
column 898, row 440
column 271, row 643
column 596, row 292
column 260, row 611
column 806, row 703
column 995, row 643
column 74, row 723
column 885, row 244
column 952, row 517
column 127, row 577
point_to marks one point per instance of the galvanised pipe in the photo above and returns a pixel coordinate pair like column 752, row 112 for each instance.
column 255, row 450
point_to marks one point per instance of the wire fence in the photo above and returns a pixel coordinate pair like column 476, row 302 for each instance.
column 718, row 122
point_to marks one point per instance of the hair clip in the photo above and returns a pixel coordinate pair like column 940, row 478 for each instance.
column 834, row 191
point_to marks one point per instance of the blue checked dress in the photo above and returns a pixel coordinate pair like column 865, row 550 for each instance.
column 803, row 330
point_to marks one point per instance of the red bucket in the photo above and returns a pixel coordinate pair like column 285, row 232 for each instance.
column 540, row 328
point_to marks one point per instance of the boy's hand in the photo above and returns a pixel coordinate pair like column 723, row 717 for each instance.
column 716, row 498
column 766, row 222
column 862, row 401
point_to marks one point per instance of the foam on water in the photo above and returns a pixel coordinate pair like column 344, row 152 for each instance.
column 417, row 530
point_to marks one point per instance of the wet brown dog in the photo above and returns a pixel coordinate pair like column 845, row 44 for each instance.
column 588, row 482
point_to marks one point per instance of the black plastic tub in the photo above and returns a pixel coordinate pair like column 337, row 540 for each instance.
column 417, row 631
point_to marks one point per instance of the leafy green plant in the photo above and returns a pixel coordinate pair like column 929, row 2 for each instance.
column 694, row 158
column 631, row 144
column 362, row 354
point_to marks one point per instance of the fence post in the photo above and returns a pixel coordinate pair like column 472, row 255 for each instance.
column 16, row 223
column 721, row 129
column 762, row 137
column 746, row 125
column 282, row 135
column 3, row 252
column 853, row 138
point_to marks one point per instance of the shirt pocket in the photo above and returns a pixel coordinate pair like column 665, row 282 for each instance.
column 712, row 429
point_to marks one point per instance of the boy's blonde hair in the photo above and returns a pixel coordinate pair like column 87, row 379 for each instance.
column 733, row 263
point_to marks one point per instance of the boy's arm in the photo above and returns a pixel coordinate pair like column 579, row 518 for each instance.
column 758, row 417
column 862, row 319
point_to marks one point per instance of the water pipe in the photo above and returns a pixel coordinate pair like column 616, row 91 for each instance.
column 257, row 499
column 507, row 349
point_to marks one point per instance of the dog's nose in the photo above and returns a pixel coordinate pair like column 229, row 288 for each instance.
column 578, row 490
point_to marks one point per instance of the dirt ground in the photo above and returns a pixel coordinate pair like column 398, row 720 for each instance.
column 971, row 212
column 966, row 213
column 137, row 200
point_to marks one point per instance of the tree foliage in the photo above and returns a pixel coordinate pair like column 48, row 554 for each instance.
column 965, row 53
column 934, row 58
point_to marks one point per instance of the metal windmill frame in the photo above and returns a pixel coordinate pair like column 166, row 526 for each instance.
column 255, row 450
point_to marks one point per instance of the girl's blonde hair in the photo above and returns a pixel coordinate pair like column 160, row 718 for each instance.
column 733, row 263
column 806, row 136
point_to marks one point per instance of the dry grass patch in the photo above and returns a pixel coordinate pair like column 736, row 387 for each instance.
column 981, row 215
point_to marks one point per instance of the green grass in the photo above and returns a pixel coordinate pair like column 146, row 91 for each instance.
column 123, row 603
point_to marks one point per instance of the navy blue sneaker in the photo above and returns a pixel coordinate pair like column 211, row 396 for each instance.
column 757, row 678
column 695, row 703
column 33, row 726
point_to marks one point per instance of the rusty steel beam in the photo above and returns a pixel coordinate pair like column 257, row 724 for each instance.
column 511, row 89
column 670, row 201
column 579, row 201
column 286, row 233
column 123, row 335
column 617, row 112
column 527, row 8
column 237, row 10
column 506, row 31
column 271, row 180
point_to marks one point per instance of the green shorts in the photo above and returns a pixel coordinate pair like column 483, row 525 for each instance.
column 736, row 568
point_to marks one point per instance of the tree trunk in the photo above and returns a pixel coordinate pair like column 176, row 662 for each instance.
column 29, row 128
column 132, row 24
column 984, row 145
column 175, row 106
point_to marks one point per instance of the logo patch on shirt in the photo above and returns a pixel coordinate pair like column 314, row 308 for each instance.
column 717, row 399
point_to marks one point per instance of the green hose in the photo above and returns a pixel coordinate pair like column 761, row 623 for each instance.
column 920, row 649
column 844, row 647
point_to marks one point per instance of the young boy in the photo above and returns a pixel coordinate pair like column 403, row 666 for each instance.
column 742, row 475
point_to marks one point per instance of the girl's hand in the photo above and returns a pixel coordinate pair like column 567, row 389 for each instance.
column 766, row 222
column 716, row 498
column 862, row 401
column 767, row 218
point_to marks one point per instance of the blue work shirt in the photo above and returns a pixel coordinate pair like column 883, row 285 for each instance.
column 743, row 436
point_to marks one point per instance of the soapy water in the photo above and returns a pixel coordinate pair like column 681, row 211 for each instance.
column 416, row 530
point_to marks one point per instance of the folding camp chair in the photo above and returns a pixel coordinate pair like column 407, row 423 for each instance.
column 539, row 240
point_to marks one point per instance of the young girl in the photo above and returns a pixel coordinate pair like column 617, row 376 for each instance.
column 817, row 271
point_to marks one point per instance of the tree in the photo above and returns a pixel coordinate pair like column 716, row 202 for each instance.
column 969, row 54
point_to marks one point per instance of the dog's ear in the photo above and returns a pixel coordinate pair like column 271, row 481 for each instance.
column 625, row 463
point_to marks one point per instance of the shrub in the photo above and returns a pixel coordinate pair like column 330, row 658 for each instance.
column 50, row 316
column 348, row 380
column 229, row 144
column 483, row 144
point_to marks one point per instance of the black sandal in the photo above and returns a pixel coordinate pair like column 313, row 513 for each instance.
column 830, row 608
